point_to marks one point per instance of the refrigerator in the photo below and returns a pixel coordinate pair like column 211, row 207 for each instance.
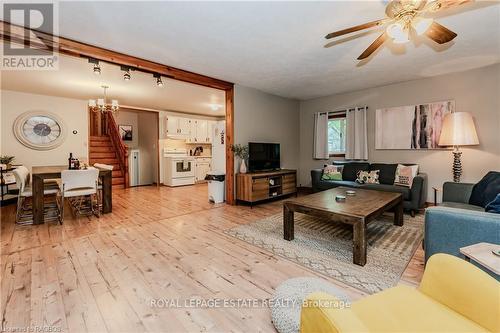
column 219, row 146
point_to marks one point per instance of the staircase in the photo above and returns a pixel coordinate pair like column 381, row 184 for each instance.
column 101, row 150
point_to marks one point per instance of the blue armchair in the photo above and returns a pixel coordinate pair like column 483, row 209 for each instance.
column 456, row 223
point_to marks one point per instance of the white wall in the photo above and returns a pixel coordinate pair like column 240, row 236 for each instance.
column 261, row 117
column 475, row 91
column 73, row 112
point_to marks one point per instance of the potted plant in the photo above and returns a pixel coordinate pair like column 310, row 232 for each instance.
column 7, row 160
column 241, row 151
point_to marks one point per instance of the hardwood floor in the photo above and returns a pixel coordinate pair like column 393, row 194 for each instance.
column 102, row 275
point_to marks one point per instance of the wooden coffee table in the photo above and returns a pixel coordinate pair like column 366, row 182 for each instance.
column 356, row 210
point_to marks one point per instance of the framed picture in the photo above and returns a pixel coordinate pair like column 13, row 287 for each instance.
column 126, row 132
column 411, row 127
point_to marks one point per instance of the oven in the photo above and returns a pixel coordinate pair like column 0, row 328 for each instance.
column 179, row 168
column 182, row 167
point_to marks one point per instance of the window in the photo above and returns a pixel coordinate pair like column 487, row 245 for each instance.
column 336, row 134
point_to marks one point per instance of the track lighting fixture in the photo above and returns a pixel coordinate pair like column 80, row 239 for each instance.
column 126, row 75
column 97, row 68
column 159, row 82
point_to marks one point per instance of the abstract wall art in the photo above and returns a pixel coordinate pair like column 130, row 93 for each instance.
column 411, row 127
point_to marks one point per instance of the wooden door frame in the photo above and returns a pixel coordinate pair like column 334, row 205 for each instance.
column 52, row 43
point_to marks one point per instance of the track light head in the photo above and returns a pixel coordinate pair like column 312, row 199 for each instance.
column 97, row 68
column 126, row 75
column 159, row 82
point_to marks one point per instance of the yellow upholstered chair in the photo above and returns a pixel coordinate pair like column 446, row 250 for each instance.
column 454, row 296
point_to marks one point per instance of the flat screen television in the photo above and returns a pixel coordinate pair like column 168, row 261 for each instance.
column 263, row 156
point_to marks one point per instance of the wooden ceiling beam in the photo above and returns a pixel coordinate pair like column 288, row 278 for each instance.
column 14, row 33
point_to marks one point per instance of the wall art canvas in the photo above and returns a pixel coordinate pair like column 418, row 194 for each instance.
column 411, row 127
column 126, row 132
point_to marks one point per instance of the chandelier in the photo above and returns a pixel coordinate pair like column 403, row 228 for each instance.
column 101, row 105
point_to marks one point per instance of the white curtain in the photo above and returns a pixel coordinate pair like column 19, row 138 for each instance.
column 356, row 134
column 321, row 136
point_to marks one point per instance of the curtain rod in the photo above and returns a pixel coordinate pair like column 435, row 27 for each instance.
column 341, row 111
column 344, row 110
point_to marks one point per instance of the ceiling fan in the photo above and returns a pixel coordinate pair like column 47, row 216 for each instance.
column 405, row 18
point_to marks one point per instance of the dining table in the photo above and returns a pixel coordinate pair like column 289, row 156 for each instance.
column 40, row 173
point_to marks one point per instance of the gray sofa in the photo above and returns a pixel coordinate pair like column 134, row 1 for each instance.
column 414, row 197
column 456, row 223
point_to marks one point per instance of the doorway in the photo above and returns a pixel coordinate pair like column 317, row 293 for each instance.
column 137, row 129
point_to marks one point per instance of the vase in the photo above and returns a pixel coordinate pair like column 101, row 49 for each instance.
column 243, row 167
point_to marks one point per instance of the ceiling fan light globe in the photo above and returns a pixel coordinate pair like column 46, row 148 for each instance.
column 421, row 25
column 398, row 34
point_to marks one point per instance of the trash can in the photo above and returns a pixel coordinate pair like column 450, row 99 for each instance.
column 216, row 186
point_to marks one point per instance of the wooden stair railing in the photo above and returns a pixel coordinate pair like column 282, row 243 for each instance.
column 121, row 149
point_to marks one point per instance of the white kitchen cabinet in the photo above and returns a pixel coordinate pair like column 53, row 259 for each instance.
column 184, row 127
column 201, row 131
column 198, row 131
column 203, row 166
column 210, row 130
column 192, row 131
column 177, row 127
column 162, row 125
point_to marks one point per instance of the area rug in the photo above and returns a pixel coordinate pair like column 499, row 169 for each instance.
column 326, row 247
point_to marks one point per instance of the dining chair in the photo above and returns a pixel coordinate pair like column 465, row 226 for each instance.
column 46, row 182
column 24, row 211
column 76, row 186
column 99, row 184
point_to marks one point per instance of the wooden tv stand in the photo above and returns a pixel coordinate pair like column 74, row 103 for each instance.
column 258, row 186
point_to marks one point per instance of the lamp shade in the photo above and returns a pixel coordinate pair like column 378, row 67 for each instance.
column 458, row 130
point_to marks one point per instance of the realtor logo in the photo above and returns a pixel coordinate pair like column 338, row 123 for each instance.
column 26, row 49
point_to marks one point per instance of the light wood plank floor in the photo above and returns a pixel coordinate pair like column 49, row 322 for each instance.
column 101, row 275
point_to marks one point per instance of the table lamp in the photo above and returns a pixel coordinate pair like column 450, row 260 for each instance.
column 458, row 130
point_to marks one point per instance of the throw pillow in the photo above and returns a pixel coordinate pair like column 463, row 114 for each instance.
column 486, row 190
column 351, row 169
column 494, row 206
column 405, row 175
column 368, row 177
column 332, row 172
column 387, row 172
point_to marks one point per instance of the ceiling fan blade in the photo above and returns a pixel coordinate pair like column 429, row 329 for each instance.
column 373, row 46
column 439, row 33
column 438, row 5
column 356, row 28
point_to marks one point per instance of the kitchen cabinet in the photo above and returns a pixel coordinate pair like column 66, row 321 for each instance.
column 189, row 129
column 184, row 126
column 203, row 166
column 201, row 131
column 192, row 131
column 176, row 127
column 211, row 127
column 162, row 125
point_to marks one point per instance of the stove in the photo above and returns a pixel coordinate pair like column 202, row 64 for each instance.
column 178, row 167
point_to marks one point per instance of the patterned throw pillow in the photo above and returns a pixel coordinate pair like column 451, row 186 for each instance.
column 332, row 172
column 368, row 177
column 405, row 175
